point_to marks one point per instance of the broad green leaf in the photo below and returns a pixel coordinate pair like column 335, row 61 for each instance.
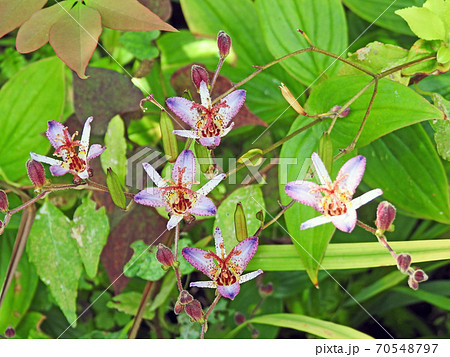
column 303, row 323
column 24, row 117
column 29, row 327
column 90, row 230
column 350, row 255
column 54, row 253
column 424, row 23
column 115, row 156
column 14, row 13
column 169, row 140
column 128, row 15
column 395, row 106
column 129, row 304
column 22, row 288
column 434, row 299
column 115, row 189
column 442, row 127
column 443, row 55
column 405, row 165
column 421, row 49
column 75, row 35
column 382, row 12
column 252, row 202
column 280, row 20
column 138, row 43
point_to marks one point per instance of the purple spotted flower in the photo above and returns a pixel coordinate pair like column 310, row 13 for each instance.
column 177, row 195
column 74, row 161
column 333, row 199
column 224, row 270
column 209, row 123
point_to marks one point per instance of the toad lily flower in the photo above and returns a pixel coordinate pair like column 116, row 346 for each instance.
column 333, row 199
column 177, row 195
column 226, row 272
column 77, row 163
column 209, row 122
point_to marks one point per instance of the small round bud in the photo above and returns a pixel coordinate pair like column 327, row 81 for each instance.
column 419, row 275
column 412, row 283
column 266, row 290
column 403, row 262
column 194, row 310
column 188, row 218
column 199, row 75
column 385, row 216
column 223, row 43
column 164, row 255
column 239, row 318
column 185, row 298
column 255, row 333
column 178, row 309
column 3, row 201
column 10, row 332
column 36, row 173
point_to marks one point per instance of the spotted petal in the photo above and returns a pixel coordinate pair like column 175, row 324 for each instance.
column 352, row 171
column 205, row 97
column 246, row 277
column 94, row 151
column 211, row 184
column 220, row 245
column 45, row 159
column 203, row 207
column 150, row 197
column 154, row 176
column 229, row 291
column 55, row 133
column 185, row 160
column 345, row 222
column 367, row 197
column 301, row 192
column 234, row 100
column 210, row 142
column 322, row 172
column 199, row 259
column 203, row 284
column 244, row 251
column 186, row 133
column 314, row 222
column 58, row 170
column 183, row 108
column 85, row 136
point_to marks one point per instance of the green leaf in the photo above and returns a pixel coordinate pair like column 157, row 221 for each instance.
column 424, row 22
column 115, row 189
column 29, row 327
column 349, row 255
column 15, row 12
column 24, row 117
column 169, row 140
column 435, row 299
column 443, row 55
column 252, row 202
column 240, row 223
column 382, row 12
column 280, row 20
column 442, row 127
column 54, row 253
column 303, row 323
column 129, row 304
column 90, row 230
column 22, row 288
column 421, row 49
column 138, row 43
column 405, row 165
column 115, row 156
column 395, row 106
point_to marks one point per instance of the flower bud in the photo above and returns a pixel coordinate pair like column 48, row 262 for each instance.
column 239, row 318
column 412, row 283
column 223, row 43
column 343, row 114
column 385, row 216
column 10, row 332
column 419, row 275
column 178, row 309
column 292, row 100
column 164, row 255
column 266, row 290
column 36, row 173
column 3, row 201
column 403, row 262
column 199, row 75
column 194, row 310
column 185, row 298
column 255, row 333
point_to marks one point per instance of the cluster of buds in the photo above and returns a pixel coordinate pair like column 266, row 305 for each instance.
column 193, row 308
column 416, row 275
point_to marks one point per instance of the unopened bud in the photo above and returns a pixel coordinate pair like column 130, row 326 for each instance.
column 164, row 255
column 188, row 218
column 266, row 290
column 403, row 262
column 10, row 332
column 185, row 298
column 194, row 310
column 255, row 333
column 239, row 318
column 412, row 283
column 223, row 43
column 3, row 201
column 385, row 216
column 178, row 309
column 291, row 100
column 343, row 114
column 419, row 275
column 36, row 173
column 199, row 75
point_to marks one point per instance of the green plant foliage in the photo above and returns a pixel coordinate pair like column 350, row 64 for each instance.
column 138, row 43
column 115, row 155
column 54, row 252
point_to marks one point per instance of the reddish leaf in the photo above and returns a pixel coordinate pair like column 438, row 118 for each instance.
column 103, row 95
column 75, row 37
column 14, row 13
column 128, row 15
column 33, row 34
column 162, row 8
column 141, row 223
column 181, row 81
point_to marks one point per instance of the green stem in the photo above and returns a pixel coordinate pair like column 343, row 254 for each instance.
column 205, row 323
column 140, row 313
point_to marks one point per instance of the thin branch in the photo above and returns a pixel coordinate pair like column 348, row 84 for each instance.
column 140, row 313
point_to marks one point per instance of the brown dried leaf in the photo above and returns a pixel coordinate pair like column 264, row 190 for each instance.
column 181, row 81
column 14, row 13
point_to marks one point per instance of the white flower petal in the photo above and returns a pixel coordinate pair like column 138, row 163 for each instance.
column 209, row 186
column 186, row 133
column 86, row 134
column 353, row 170
column 316, row 221
column 345, row 222
column 247, row 249
column 229, row 291
column 58, row 170
column 173, row 221
column 220, row 245
column 204, row 95
column 45, row 159
column 94, row 151
column 367, row 197
column 183, row 108
column 322, row 172
column 185, row 161
column 203, row 207
column 200, row 259
column 210, row 141
column 55, row 133
column 203, row 284
column 246, row 277
column 235, row 100
column 154, row 176
column 300, row 191
column 150, row 197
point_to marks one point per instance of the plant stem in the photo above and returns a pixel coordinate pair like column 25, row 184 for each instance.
column 276, row 218
column 216, row 74
column 103, row 188
column 213, row 305
column 140, row 313
column 177, row 238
